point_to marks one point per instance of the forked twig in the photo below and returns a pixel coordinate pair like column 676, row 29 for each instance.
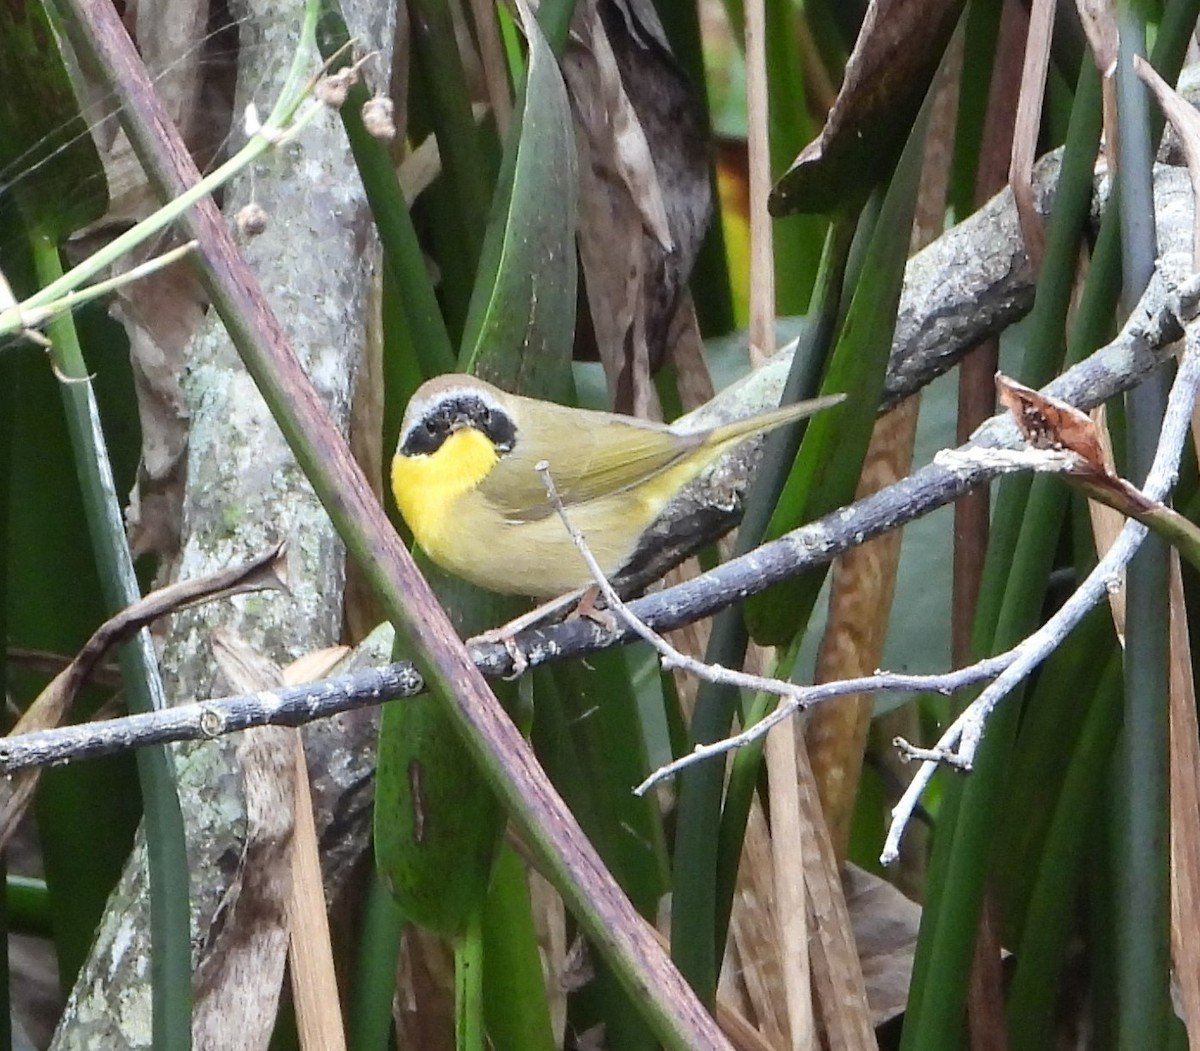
column 795, row 698
column 959, row 744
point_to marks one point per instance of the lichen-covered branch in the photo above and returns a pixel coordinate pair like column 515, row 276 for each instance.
column 1169, row 305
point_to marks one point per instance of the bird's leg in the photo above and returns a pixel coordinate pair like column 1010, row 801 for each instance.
column 596, row 614
column 505, row 634
column 531, row 619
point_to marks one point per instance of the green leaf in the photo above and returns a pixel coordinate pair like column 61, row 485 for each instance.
column 47, row 157
column 469, row 1032
column 521, row 325
column 514, row 990
column 1054, row 876
column 437, row 823
column 588, row 734
column 369, row 1014
column 468, row 167
column 826, row 471
column 86, row 812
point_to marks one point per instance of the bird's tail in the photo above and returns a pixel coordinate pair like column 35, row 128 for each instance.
column 768, row 421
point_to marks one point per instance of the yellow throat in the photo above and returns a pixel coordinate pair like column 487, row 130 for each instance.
column 426, row 487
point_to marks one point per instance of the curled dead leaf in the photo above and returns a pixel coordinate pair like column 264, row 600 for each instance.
column 52, row 704
column 645, row 196
column 887, row 77
column 1048, row 423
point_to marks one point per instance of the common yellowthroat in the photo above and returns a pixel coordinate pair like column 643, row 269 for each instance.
column 465, row 479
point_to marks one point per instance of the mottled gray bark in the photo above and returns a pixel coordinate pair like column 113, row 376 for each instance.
column 245, row 492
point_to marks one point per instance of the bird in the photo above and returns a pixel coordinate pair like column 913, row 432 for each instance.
column 466, row 478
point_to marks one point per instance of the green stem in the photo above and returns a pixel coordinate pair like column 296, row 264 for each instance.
column 1142, row 862
column 426, row 344
column 1045, row 935
column 468, row 987
column 370, row 1022
column 170, row 937
column 282, row 123
column 706, row 864
column 467, row 168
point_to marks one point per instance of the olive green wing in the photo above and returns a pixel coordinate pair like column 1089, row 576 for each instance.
column 589, row 454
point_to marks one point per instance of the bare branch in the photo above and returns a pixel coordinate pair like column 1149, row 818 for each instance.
column 794, row 697
column 960, row 741
column 1141, row 346
column 204, row 720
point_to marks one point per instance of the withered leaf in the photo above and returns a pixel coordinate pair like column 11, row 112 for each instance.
column 1048, row 423
column 1186, row 123
column 645, row 196
column 887, row 77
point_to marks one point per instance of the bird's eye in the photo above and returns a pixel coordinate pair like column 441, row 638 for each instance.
column 430, row 427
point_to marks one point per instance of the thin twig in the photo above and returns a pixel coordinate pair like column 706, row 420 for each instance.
column 800, row 698
column 960, row 741
column 33, row 317
column 289, row 706
column 1167, row 308
column 796, row 698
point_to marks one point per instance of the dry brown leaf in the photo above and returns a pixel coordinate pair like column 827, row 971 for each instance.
column 864, row 581
column 1027, row 127
column 788, row 854
column 1050, row 423
column 761, row 329
column 550, row 921
column 897, row 52
column 1185, row 805
column 314, row 981
column 692, row 375
column 310, row 952
column 730, row 1013
column 315, row 665
column 1186, row 122
column 741, row 1034
column 836, row 968
column 1100, row 25
column 1107, row 523
column 755, row 932
column 160, row 313
column 240, row 973
column 1099, row 20
column 491, row 57
column 196, row 82
column 397, row 90
column 166, row 32
column 885, row 927
column 645, row 198
column 424, row 1004
column 362, row 608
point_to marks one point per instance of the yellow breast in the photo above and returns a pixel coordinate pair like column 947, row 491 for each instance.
column 428, row 488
